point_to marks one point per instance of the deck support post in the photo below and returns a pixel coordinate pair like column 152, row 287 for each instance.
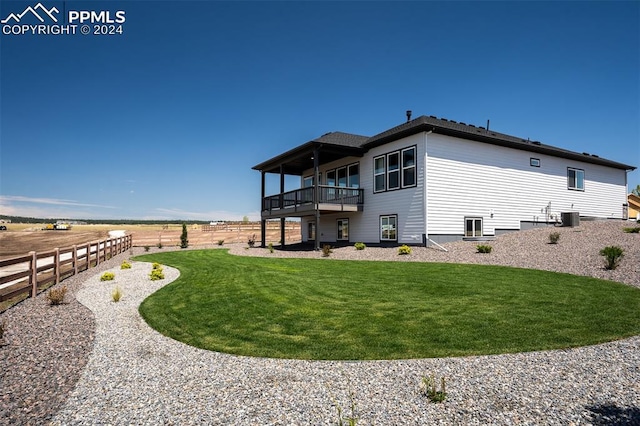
column 263, row 222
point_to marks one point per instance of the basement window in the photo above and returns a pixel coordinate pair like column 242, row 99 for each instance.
column 389, row 228
column 534, row 162
column 473, row 227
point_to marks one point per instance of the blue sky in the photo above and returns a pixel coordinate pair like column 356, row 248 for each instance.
column 166, row 120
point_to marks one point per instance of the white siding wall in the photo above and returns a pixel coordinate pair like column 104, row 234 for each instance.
column 407, row 204
column 472, row 179
column 466, row 178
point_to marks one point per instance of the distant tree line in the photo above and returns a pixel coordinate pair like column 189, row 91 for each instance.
column 21, row 219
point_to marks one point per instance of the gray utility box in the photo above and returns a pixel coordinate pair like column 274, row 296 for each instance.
column 570, row 219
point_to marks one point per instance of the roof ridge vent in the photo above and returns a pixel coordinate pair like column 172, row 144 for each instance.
column 536, row 142
column 472, row 125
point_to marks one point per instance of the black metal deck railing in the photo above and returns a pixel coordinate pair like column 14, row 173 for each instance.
column 337, row 195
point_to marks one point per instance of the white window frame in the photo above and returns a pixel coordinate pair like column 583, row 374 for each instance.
column 387, row 217
column 342, row 224
column 473, row 226
column 574, row 183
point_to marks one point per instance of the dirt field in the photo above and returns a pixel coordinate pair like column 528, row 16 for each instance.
column 20, row 239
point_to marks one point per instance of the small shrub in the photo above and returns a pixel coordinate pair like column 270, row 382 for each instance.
column 360, row 246
column 633, row 230
column 160, row 245
column 554, row 237
column 428, row 388
column 326, row 250
column 184, row 242
column 270, row 248
column 146, row 248
column 116, row 294
column 56, row 295
column 220, row 242
column 252, row 240
column 107, row 276
column 156, row 274
column 125, row 265
column 612, row 255
column 484, row 248
column 404, row 249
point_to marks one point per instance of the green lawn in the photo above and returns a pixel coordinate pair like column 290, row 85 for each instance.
column 329, row 309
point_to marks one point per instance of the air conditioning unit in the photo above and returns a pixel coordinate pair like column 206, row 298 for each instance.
column 570, row 219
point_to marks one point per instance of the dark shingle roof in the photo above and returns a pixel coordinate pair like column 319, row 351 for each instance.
column 343, row 139
column 332, row 146
column 480, row 134
column 335, row 145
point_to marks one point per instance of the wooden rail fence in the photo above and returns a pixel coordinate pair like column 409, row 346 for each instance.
column 33, row 271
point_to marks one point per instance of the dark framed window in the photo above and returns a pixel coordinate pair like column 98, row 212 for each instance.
column 575, row 179
column 353, row 176
column 379, row 174
column 409, row 167
column 395, row 170
column 534, row 162
column 389, row 228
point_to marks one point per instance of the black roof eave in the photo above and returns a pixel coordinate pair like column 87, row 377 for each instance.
column 297, row 160
column 485, row 136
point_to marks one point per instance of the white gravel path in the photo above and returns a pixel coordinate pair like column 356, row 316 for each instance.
column 137, row 376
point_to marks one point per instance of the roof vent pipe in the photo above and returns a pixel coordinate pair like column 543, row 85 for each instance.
column 487, row 125
column 408, row 115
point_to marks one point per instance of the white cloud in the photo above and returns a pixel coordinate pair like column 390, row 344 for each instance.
column 49, row 201
column 17, row 205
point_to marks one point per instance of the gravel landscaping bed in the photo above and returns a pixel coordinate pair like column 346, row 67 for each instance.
column 126, row 373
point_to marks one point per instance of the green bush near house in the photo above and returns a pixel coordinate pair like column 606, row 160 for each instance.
column 484, row 248
column 300, row 308
column 612, row 255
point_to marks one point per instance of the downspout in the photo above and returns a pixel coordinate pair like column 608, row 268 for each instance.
column 316, row 192
column 282, row 219
column 425, row 203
